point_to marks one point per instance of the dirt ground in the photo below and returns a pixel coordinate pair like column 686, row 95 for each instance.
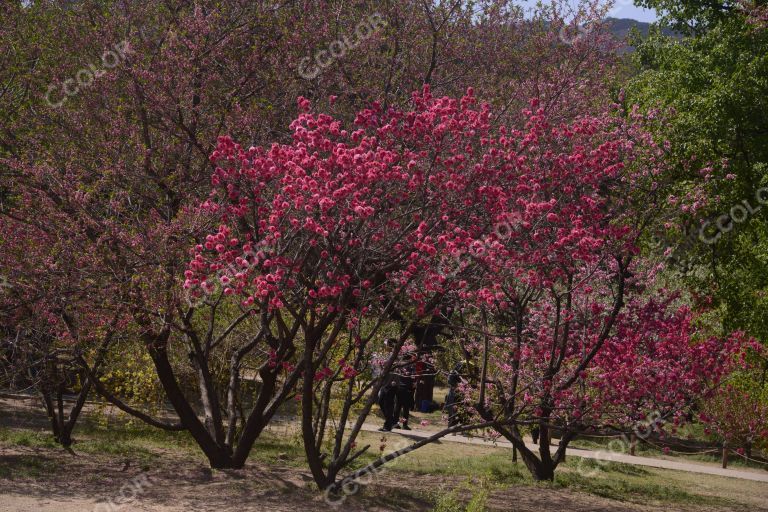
column 95, row 483
column 48, row 479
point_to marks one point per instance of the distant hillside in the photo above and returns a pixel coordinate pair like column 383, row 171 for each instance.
column 621, row 27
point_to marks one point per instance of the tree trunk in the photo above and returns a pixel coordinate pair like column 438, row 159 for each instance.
column 540, row 470
column 217, row 455
column 545, row 469
column 312, row 451
column 544, row 472
column 65, row 438
column 260, row 415
column 425, row 337
column 208, row 397
column 49, row 409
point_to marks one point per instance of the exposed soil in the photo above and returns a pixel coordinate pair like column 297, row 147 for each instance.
column 98, row 483
column 52, row 480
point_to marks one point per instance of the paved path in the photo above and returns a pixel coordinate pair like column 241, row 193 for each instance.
column 691, row 467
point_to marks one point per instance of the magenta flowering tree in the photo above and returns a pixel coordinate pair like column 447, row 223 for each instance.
column 656, row 365
column 650, row 365
column 560, row 267
column 106, row 135
column 406, row 212
column 737, row 413
column 336, row 239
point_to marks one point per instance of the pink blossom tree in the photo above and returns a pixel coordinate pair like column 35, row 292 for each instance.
column 659, row 366
column 46, row 335
column 105, row 142
column 563, row 292
column 333, row 234
column 737, row 413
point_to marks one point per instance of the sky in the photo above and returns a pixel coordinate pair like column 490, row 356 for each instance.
column 628, row 10
column 621, row 9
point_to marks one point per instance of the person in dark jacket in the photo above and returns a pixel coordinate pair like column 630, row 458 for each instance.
column 405, row 392
column 388, row 395
column 387, row 398
column 465, row 372
column 452, row 398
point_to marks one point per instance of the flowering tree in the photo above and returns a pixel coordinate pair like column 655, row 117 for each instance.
column 105, row 144
column 436, row 206
column 737, row 414
column 562, row 293
column 334, row 233
column 658, row 366
column 46, row 335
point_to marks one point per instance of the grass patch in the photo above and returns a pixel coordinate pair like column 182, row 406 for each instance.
column 130, row 450
column 273, row 449
column 143, row 444
column 644, row 449
column 25, row 466
column 456, row 500
column 393, row 499
column 622, row 489
column 136, row 434
column 594, row 465
column 27, row 438
column 497, row 467
column 624, row 482
column 613, row 480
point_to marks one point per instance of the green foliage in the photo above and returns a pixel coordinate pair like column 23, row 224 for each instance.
column 478, row 501
column 448, row 503
column 130, row 374
column 717, row 85
column 692, row 15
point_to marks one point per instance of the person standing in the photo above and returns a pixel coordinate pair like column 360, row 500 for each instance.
column 387, row 392
column 453, row 396
column 387, row 398
column 405, row 392
column 463, row 377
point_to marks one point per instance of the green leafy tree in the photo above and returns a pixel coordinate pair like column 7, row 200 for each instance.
column 713, row 86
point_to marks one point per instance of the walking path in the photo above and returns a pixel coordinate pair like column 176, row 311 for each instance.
column 691, row 467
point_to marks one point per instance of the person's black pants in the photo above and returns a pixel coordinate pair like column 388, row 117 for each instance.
column 404, row 404
column 387, row 403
